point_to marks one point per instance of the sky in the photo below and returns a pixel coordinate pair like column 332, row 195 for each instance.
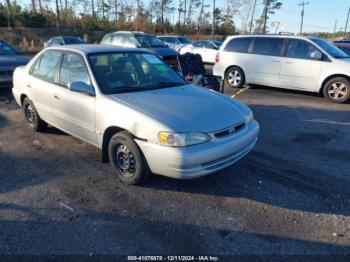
column 320, row 15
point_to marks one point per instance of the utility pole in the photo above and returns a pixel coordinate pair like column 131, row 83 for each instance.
column 213, row 23
column 303, row 4
column 346, row 25
column 335, row 29
column 251, row 20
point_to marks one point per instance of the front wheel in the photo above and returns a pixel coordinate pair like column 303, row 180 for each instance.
column 235, row 77
column 127, row 159
column 337, row 90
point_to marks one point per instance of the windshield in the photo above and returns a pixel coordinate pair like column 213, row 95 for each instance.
column 184, row 40
column 5, row 49
column 329, row 48
column 73, row 40
column 119, row 72
column 149, row 41
column 217, row 43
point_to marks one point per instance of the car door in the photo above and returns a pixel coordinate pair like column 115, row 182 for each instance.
column 301, row 67
column 75, row 111
column 209, row 53
column 41, row 83
column 264, row 63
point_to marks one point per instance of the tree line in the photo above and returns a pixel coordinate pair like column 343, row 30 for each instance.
column 154, row 16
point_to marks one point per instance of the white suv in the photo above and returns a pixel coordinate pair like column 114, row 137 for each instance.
column 292, row 62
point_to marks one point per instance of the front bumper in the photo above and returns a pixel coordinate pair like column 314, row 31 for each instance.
column 199, row 160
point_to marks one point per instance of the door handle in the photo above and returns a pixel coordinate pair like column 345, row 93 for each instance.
column 57, row 96
column 29, row 86
column 289, row 63
column 276, row 61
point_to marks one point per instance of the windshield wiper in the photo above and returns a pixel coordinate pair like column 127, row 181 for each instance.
column 161, row 85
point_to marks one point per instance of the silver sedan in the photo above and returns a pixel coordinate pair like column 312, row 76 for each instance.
column 142, row 115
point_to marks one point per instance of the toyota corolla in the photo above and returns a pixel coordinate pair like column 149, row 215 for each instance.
column 143, row 116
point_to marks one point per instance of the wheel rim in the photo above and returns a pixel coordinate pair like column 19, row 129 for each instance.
column 30, row 114
column 337, row 90
column 124, row 160
column 234, row 78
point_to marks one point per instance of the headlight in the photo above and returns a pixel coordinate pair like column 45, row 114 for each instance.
column 250, row 118
column 182, row 139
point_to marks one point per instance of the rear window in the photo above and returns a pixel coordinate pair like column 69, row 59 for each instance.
column 268, row 46
column 239, row 45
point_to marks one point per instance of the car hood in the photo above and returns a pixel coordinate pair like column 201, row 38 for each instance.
column 13, row 60
column 163, row 51
column 187, row 108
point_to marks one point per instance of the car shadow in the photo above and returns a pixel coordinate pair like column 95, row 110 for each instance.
column 304, row 168
column 58, row 231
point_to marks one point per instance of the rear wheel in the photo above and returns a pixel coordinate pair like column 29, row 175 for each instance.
column 235, row 77
column 32, row 116
column 337, row 90
column 127, row 159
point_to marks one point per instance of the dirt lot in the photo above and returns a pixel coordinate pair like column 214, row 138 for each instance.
column 289, row 196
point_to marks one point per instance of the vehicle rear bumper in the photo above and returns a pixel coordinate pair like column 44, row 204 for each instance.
column 199, row 160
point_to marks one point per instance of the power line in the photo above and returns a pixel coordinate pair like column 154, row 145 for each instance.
column 303, row 4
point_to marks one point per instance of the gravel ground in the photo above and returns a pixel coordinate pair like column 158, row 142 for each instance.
column 290, row 195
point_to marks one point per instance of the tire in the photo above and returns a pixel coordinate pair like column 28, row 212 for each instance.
column 234, row 77
column 337, row 90
column 32, row 116
column 127, row 160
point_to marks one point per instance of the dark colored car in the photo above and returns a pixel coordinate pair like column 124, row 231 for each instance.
column 142, row 40
column 344, row 46
column 9, row 60
column 344, row 41
column 64, row 40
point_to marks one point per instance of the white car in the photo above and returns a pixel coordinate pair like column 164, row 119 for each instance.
column 292, row 62
column 207, row 49
column 174, row 41
column 143, row 116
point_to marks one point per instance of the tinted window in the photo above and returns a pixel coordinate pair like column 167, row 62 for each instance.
column 5, row 49
column 198, row 44
column 73, row 70
column 239, row 45
column 149, row 41
column 300, row 49
column 48, row 65
column 329, row 48
column 209, row 45
column 183, row 40
column 73, row 40
column 268, row 46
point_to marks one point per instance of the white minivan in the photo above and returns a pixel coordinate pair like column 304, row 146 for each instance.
column 292, row 62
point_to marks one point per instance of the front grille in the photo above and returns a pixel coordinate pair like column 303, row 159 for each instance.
column 230, row 131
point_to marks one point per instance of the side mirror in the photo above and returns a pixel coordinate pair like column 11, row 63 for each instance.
column 316, row 55
column 81, row 87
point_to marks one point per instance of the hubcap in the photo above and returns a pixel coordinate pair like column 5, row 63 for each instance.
column 337, row 90
column 234, row 78
column 124, row 160
column 31, row 117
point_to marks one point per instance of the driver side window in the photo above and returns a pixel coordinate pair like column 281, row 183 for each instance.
column 73, row 70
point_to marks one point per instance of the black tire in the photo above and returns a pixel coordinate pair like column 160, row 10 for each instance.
column 235, row 77
column 337, row 90
column 32, row 116
column 127, row 159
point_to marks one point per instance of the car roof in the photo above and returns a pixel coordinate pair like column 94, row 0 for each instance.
column 91, row 48
column 275, row 36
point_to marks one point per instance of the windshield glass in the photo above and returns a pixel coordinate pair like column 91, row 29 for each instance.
column 184, row 40
column 329, row 48
column 217, row 43
column 149, row 41
column 73, row 40
column 5, row 49
column 119, row 72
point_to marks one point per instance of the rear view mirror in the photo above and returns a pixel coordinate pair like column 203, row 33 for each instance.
column 81, row 87
column 316, row 55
